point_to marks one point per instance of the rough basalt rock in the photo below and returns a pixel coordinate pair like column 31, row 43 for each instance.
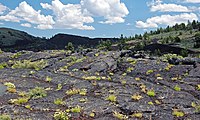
column 102, row 83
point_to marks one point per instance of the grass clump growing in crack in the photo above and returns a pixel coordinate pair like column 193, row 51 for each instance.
column 76, row 109
column 131, row 61
column 136, row 97
column 5, row 117
column 37, row 92
column 129, row 69
column 120, row 116
column 123, row 82
column 16, row 55
column 92, row 78
column 83, row 92
column 3, row 65
column 48, row 79
column 72, row 91
column 19, row 101
column 59, row 101
column 76, row 91
column 83, row 100
column 137, row 79
column 112, row 98
column 168, row 67
column 196, row 106
column 177, row 88
column 150, row 103
column 143, row 88
column 137, row 115
column 177, row 113
column 149, row 72
column 28, row 64
column 170, row 56
column 60, row 115
column 92, row 114
column 10, row 87
column 151, row 93
column 28, row 107
column 59, row 87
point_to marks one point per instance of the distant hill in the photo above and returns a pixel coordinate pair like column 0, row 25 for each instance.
column 11, row 40
column 10, row 37
column 176, row 39
column 14, row 40
column 60, row 40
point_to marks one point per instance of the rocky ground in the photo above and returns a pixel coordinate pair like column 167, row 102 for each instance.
column 97, row 85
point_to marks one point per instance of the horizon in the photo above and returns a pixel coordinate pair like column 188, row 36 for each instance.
column 105, row 18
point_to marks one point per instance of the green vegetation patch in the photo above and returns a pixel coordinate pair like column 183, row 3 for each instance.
column 37, row 65
column 151, row 93
column 112, row 98
column 177, row 113
column 10, row 87
column 37, row 92
column 5, row 117
column 169, row 56
column 59, row 101
column 120, row 116
column 3, row 65
column 60, row 115
column 177, row 88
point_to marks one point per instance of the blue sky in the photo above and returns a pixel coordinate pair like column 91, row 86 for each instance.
column 95, row 18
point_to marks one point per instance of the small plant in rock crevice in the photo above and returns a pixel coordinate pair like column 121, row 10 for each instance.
column 10, row 87
column 129, row 69
column 177, row 88
column 76, row 109
column 137, row 79
column 196, row 106
column 48, row 79
column 150, row 103
column 137, row 115
column 60, row 115
column 177, row 113
column 136, row 96
column 149, row 72
column 3, row 65
column 112, row 98
column 37, row 92
column 151, row 93
column 59, row 101
column 19, row 101
column 120, row 116
column 59, row 87
column 5, row 117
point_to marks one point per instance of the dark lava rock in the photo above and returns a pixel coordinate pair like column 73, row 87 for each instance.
column 99, row 85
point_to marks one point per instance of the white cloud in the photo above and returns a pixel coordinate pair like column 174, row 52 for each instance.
column 153, row 22
column 140, row 24
column 44, row 27
column 169, row 8
column 112, row 10
column 26, row 25
column 25, row 12
column 69, row 16
column 112, row 20
column 154, row 2
column 192, row 1
column 10, row 18
column 2, row 8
